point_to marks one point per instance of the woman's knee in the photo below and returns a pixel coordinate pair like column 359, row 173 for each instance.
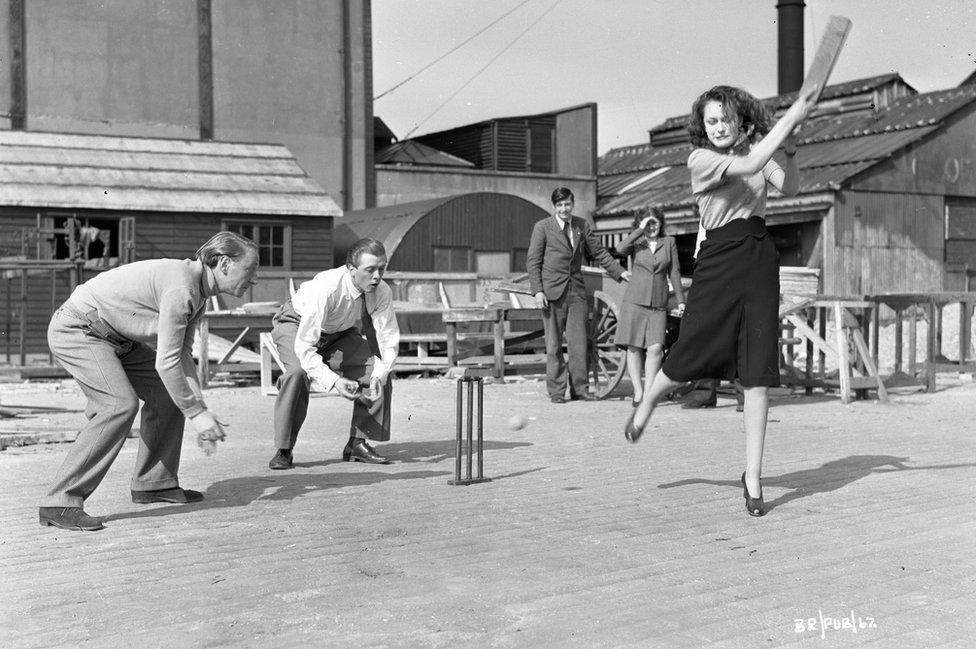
column 655, row 351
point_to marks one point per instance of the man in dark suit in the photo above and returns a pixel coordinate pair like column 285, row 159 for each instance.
column 554, row 261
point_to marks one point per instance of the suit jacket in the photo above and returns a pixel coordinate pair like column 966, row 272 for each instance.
column 553, row 267
column 648, row 284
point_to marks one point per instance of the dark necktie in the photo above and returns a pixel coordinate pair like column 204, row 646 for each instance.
column 566, row 232
column 367, row 327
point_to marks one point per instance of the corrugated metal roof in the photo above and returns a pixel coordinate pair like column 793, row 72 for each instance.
column 147, row 174
column 643, row 158
column 412, row 152
column 833, row 150
column 388, row 224
column 861, row 148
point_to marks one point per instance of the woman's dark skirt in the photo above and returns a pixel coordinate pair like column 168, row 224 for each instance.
column 640, row 326
column 730, row 327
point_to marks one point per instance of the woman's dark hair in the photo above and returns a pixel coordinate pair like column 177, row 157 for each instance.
column 735, row 102
column 362, row 247
column 224, row 244
column 561, row 194
column 650, row 211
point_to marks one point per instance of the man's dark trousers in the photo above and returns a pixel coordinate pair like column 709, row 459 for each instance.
column 567, row 314
column 346, row 353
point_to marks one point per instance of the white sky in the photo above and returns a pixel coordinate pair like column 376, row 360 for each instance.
column 641, row 61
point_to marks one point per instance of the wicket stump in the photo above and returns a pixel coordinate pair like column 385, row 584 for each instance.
column 468, row 425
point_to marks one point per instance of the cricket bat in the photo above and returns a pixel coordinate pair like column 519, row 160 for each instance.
column 827, row 52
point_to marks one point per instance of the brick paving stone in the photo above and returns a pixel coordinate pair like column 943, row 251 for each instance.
column 580, row 540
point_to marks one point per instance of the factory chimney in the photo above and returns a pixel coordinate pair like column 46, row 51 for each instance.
column 790, row 45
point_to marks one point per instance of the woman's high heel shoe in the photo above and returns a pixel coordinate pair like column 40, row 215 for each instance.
column 754, row 506
column 631, row 432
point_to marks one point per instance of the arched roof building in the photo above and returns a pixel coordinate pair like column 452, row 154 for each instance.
column 482, row 232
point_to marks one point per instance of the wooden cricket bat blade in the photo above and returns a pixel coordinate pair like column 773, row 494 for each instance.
column 829, row 49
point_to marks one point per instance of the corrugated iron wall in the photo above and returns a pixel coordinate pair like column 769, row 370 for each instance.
column 158, row 235
column 481, row 222
column 885, row 242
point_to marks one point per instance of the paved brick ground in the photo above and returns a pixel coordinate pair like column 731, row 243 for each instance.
column 581, row 539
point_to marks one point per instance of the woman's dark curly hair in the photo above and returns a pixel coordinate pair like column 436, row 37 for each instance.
column 735, row 101
column 650, row 211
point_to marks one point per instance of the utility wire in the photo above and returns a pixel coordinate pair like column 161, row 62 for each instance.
column 485, row 67
column 454, row 49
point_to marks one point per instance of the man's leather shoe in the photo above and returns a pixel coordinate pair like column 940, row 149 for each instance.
column 702, row 401
column 175, row 495
column 362, row 452
column 282, row 460
column 69, row 518
column 557, row 399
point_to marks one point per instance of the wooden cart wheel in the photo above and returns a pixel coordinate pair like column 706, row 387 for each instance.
column 606, row 361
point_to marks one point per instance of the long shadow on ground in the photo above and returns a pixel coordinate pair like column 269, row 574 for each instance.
column 428, row 452
column 292, row 484
column 829, row 477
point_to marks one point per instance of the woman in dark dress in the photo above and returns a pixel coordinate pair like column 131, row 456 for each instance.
column 643, row 313
column 730, row 328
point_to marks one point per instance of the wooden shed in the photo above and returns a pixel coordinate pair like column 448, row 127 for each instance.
column 887, row 188
column 129, row 198
column 485, row 233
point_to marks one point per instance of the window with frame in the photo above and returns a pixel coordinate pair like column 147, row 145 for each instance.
column 273, row 241
column 98, row 241
column 450, row 259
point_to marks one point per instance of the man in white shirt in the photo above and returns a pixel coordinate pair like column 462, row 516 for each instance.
column 339, row 332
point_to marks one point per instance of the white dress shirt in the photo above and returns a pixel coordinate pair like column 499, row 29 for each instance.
column 329, row 303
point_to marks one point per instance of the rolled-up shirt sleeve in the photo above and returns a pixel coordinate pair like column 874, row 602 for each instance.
column 174, row 354
column 306, row 339
column 387, row 334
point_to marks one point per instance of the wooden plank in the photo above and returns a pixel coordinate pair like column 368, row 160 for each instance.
column 170, row 200
column 844, row 363
column 20, row 174
column 872, row 369
column 148, row 161
column 472, row 315
column 499, row 328
column 143, row 144
column 812, row 336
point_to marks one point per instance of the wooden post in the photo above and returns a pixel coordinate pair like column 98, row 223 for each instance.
column 54, row 305
column 822, row 330
column 963, row 331
column 875, row 329
column 913, row 341
column 872, row 369
column 808, row 388
column 898, row 338
column 451, row 329
column 930, row 347
column 499, row 347
column 844, row 369
column 8, row 324
column 23, row 302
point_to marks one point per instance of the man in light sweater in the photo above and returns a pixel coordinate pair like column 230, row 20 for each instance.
column 339, row 332
column 102, row 335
